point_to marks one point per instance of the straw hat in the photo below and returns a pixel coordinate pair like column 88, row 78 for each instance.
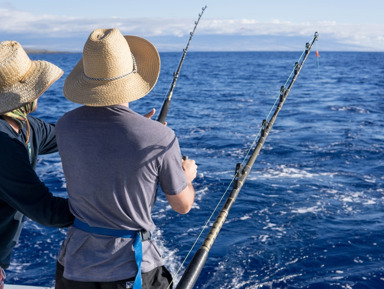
column 22, row 80
column 114, row 69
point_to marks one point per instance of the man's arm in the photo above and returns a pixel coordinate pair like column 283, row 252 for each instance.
column 45, row 136
column 182, row 202
column 21, row 188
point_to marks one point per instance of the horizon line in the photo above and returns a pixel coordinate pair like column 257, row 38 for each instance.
column 47, row 51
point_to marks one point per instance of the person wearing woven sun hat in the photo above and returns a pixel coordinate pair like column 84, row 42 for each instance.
column 114, row 160
column 22, row 139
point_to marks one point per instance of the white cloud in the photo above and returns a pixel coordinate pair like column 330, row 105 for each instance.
column 368, row 36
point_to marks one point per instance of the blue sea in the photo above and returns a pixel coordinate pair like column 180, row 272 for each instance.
column 310, row 214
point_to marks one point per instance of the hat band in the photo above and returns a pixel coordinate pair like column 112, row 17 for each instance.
column 117, row 77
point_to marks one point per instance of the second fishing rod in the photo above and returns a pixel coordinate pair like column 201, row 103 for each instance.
column 197, row 263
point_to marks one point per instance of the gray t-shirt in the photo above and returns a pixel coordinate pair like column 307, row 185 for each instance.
column 114, row 160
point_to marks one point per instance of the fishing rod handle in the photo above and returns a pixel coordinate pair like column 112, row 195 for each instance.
column 164, row 111
column 191, row 274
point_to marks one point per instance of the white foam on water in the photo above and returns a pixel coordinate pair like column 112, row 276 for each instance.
column 246, row 217
column 264, row 238
column 284, row 171
column 171, row 258
column 200, row 194
column 280, row 229
column 369, row 202
column 370, row 179
column 358, row 260
column 350, row 108
column 250, row 284
column 313, row 210
column 332, row 191
column 337, row 277
column 351, row 199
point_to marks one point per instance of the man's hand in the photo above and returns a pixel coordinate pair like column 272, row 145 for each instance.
column 151, row 113
column 190, row 169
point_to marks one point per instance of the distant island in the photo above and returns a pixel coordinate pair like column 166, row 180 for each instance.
column 44, row 51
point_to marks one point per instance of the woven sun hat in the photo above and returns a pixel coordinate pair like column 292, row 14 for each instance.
column 114, row 69
column 21, row 79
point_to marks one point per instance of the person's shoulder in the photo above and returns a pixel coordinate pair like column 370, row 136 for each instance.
column 37, row 123
column 69, row 115
column 154, row 131
column 165, row 134
column 161, row 128
column 33, row 119
column 73, row 111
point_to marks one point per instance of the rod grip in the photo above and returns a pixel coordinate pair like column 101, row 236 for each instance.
column 164, row 111
column 193, row 271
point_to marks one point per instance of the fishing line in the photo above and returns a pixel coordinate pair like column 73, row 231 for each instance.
column 271, row 111
column 238, row 179
column 318, row 59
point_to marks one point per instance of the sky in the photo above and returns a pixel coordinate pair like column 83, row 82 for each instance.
column 226, row 25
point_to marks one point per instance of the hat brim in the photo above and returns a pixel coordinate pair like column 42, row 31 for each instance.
column 82, row 90
column 41, row 76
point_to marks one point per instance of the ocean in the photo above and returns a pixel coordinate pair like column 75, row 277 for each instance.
column 310, row 214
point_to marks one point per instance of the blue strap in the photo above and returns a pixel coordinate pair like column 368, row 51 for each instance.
column 137, row 246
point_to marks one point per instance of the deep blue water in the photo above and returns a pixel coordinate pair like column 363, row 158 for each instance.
column 310, row 214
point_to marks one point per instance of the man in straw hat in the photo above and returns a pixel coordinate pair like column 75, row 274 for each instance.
column 22, row 139
column 113, row 160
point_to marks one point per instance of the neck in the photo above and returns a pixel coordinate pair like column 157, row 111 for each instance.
column 14, row 125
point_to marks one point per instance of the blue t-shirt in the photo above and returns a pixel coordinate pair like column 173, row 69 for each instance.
column 114, row 160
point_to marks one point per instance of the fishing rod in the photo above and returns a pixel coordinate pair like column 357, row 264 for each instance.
column 167, row 101
column 194, row 268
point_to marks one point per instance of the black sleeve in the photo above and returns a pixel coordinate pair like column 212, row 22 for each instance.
column 44, row 135
column 21, row 188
